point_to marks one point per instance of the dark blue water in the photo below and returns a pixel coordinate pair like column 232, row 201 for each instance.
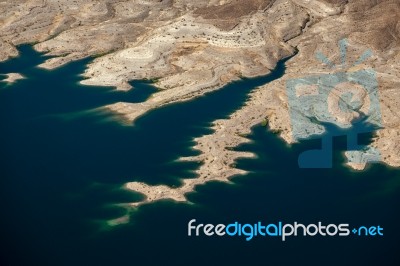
column 64, row 162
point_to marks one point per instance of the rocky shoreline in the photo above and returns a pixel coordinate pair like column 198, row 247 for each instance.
column 193, row 47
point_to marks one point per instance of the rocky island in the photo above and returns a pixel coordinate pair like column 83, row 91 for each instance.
column 13, row 77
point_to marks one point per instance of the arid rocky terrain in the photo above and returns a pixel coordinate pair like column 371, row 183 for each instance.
column 192, row 47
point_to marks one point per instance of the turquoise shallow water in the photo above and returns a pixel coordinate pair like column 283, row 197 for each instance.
column 64, row 162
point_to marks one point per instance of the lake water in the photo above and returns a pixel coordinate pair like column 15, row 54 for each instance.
column 64, row 162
